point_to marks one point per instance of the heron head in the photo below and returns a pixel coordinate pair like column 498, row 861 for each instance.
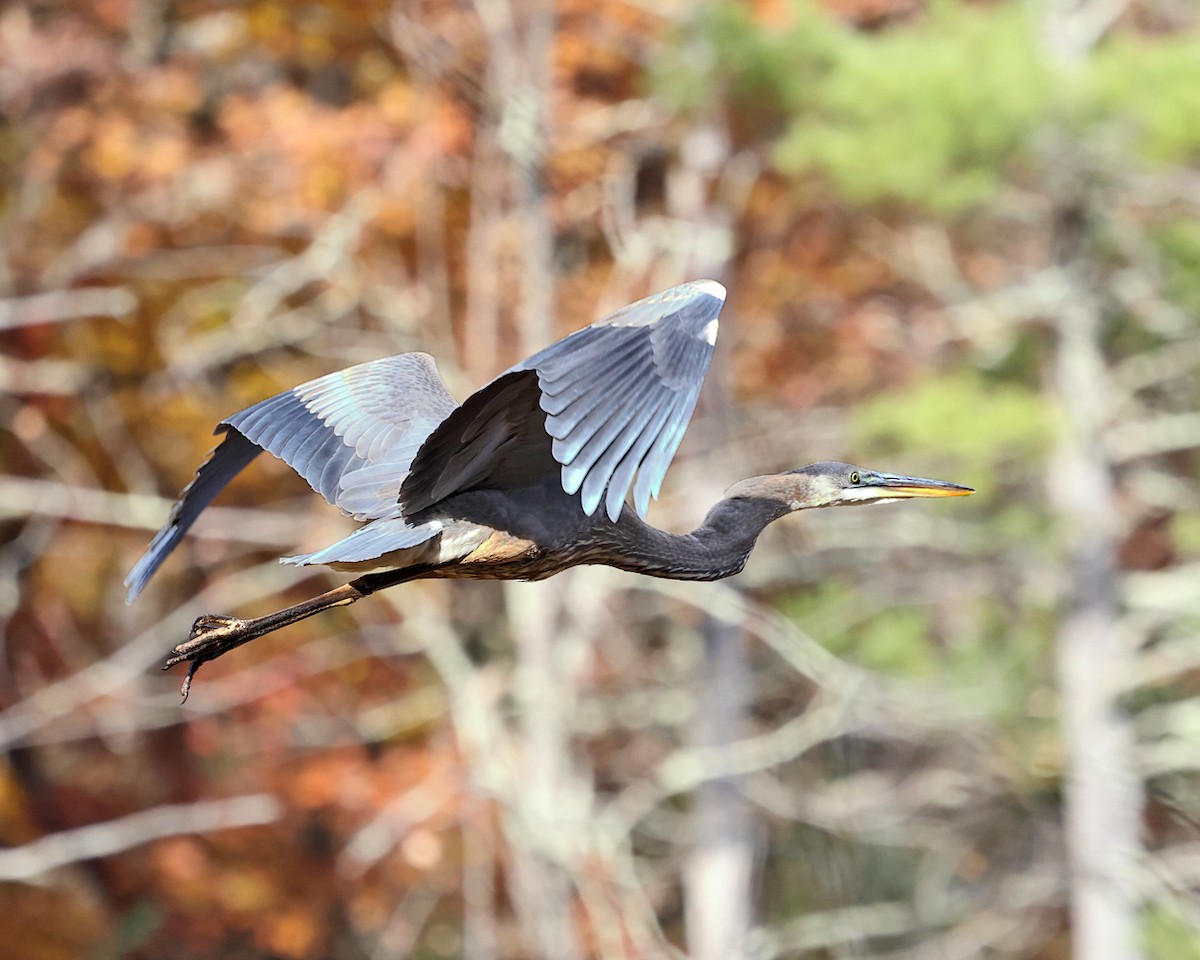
column 829, row 483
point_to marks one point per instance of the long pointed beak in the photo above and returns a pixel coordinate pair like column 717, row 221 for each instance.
column 895, row 486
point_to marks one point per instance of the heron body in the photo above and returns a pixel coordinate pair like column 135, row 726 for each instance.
column 549, row 466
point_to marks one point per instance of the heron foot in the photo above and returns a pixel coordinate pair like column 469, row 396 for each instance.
column 212, row 635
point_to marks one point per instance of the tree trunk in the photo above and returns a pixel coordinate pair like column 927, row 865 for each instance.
column 1102, row 790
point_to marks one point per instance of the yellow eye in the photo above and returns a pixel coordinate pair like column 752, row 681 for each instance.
column 854, row 477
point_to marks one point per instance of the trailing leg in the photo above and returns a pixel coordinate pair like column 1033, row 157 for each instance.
column 213, row 634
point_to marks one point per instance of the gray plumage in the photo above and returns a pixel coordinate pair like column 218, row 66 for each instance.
column 604, row 408
column 509, row 484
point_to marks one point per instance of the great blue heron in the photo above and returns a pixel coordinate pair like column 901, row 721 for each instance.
column 509, row 485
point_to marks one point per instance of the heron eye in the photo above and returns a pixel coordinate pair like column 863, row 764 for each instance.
column 854, row 477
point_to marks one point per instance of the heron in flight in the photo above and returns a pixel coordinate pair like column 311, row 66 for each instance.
column 528, row 476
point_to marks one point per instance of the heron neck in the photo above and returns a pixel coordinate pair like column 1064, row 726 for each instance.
column 718, row 548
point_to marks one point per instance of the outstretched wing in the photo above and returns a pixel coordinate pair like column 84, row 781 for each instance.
column 352, row 435
column 614, row 399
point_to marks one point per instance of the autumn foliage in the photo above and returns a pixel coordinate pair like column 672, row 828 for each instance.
column 201, row 204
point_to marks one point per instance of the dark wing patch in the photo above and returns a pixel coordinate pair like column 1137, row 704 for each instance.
column 352, row 435
column 495, row 440
column 618, row 395
column 611, row 402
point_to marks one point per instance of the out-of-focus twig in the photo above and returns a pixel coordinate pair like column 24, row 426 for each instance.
column 1151, row 367
column 23, row 496
column 32, row 860
column 1172, row 591
column 49, row 377
column 59, row 306
column 689, row 768
column 1071, row 29
column 380, row 835
column 1167, row 433
column 832, row 928
column 259, row 320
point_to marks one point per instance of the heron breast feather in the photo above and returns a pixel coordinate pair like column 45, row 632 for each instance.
column 502, row 546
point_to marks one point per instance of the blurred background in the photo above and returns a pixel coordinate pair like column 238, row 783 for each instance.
column 961, row 239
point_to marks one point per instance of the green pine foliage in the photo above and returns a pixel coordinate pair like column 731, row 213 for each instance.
column 938, row 114
column 928, row 115
column 985, row 422
column 1148, row 88
column 1178, row 248
column 1166, row 935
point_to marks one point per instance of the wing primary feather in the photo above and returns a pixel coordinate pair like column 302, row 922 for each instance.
column 253, row 421
column 607, row 424
column 278, row 416
column 585, row 347
column 300, row 449
column 654, row 468
column 572, row 428
column 622, row 475
column 558, row 379
column 600, row 472
column 653, row 353
column 223, row 464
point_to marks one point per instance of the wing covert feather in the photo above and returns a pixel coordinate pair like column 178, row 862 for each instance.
column 352, row 435
column 495, row 439
column 632, row 380
column 611, row 403
column 380, row 411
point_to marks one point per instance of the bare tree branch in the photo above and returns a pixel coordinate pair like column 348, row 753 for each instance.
column 59, row 306
column 32, row 860
column 26, row 496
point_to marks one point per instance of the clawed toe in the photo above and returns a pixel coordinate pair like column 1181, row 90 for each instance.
column 208, row 623
column 212, row 634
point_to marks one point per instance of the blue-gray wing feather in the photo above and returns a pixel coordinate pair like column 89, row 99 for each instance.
column 222, row 465
column 602, row 406
column 378, row 538
column 380, row 412
column 618, row 395
column 352, row 435
column 604, row 409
